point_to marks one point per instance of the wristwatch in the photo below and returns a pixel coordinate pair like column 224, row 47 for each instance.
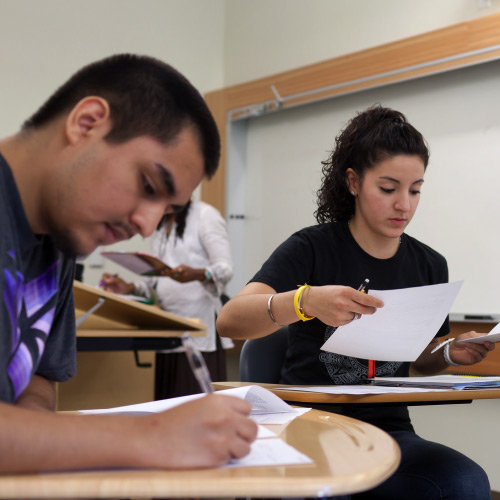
column 208, row 275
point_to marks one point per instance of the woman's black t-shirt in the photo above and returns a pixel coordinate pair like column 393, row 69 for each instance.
column 327, row 254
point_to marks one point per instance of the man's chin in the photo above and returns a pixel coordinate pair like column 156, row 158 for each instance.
column 72, row 248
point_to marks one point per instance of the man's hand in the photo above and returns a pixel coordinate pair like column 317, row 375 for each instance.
column 207, row 432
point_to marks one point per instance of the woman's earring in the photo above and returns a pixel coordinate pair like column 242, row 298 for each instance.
column 352, row 192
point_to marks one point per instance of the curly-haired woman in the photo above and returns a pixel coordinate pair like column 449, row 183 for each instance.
column 370, row 191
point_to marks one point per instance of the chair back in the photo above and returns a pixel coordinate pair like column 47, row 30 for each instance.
column 261, row 359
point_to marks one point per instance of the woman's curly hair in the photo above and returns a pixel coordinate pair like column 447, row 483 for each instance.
column 369, row 138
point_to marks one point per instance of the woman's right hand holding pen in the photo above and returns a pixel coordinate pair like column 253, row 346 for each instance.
column 338, row 305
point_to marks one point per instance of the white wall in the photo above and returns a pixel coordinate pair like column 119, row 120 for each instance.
column 264, row 37
column 44, row 42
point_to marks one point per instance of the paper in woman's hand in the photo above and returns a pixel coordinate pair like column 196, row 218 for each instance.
column 493, row 336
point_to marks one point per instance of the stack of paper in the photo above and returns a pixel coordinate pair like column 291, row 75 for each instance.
column 458, row 382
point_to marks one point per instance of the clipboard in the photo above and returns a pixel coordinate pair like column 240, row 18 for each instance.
column 140, row 263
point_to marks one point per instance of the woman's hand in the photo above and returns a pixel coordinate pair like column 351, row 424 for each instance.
column 469, row 353
column 113, row 283
column 185, row 274
column 338, row 305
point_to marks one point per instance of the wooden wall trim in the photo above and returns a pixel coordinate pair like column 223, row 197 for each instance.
column 445, row 49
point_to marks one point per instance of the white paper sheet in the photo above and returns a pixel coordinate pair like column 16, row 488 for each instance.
column 493, row 336
column 455, row 382
column 267, row 408
column 400, row 330
column 270, row 452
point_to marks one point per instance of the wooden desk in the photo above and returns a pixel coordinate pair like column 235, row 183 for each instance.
column 107, row 374
column 349, row 456
column 115, row 317
column 414, row 398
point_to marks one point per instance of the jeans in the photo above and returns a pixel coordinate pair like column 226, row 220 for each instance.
column 429, row 471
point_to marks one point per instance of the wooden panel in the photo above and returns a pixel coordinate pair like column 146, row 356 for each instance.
column 108, row 379
column 212, row 191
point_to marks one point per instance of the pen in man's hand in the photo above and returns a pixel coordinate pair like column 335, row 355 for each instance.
column 197, row 364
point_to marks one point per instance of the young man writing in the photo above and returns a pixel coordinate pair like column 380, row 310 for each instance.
column 122, row 142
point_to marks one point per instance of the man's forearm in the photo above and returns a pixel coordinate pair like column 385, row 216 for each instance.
column 39, row 395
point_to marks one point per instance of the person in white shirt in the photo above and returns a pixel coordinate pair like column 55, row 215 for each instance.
column 195, row 245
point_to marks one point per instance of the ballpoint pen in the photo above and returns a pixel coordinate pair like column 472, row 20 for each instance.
column 442, row 344
column 363, row 288
column 197, row 364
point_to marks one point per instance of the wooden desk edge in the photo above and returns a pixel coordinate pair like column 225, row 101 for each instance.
column 138, row 333
column 411, row 397
column 259, row 482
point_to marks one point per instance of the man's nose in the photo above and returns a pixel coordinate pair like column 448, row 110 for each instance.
column 146, row 217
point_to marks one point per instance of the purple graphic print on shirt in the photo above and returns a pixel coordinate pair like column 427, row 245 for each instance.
column 35, row 295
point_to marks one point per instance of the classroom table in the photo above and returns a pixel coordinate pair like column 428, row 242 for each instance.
column 109, row 325
column 349, row 456
column 407, row 398
column 110, row 322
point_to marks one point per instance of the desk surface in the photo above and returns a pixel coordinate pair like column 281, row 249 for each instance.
column 349, row 456
column 407, row 398
column 114, row 312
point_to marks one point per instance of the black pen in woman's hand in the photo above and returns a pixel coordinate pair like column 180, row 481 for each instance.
column 363, row 287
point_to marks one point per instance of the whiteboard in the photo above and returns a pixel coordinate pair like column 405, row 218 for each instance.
column 458, row 112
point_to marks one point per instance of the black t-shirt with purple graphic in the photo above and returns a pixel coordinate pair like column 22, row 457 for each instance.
column 37, row 312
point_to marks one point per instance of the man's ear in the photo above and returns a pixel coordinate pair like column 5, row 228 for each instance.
column 352, row 181
column 90, row 116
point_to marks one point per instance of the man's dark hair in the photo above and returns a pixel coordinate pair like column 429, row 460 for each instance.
column 371, row 137
column 147, row 97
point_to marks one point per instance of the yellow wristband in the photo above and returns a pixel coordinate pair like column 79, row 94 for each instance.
column 296, row 303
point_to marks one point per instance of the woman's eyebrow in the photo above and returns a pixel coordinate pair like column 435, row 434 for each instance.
column 392, row 179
